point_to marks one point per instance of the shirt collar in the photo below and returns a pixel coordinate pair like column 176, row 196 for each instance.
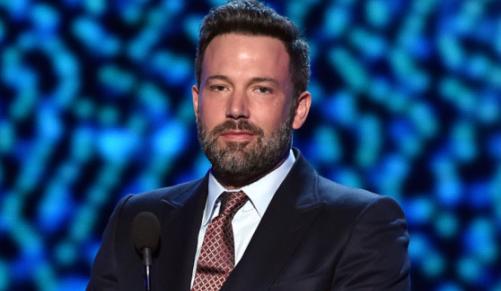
column 259, row 192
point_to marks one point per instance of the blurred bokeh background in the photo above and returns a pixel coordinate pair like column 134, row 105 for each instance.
column 95, row 103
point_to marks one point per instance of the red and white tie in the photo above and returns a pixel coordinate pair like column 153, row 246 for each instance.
column 217, row 256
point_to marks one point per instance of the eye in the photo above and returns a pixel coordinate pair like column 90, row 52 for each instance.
column 217, row 88
column 263, row 90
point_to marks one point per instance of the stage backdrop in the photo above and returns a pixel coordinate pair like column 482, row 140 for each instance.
column 95, row 103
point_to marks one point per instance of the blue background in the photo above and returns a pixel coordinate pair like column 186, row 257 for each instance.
column 95, row 103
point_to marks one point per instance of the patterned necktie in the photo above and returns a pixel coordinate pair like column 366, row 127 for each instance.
column 217, row 257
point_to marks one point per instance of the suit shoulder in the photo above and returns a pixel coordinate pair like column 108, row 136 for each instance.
column 175, row 195
column 355, row 200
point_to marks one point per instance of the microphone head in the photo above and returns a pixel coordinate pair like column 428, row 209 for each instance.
column 146, row 231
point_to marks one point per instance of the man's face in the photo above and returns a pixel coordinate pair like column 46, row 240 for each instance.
column 244, row 106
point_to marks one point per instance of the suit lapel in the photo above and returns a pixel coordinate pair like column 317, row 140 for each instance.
column 292, row 209
column 182, row 217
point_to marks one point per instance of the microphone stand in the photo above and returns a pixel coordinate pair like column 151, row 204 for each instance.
column 147, row 260
column 145, row 234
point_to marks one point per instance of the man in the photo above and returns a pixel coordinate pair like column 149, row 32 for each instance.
column 262, row 218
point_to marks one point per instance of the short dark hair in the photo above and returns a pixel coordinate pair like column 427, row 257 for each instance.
column 254, row 18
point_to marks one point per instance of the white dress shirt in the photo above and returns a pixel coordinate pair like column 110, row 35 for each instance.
column 247, row 218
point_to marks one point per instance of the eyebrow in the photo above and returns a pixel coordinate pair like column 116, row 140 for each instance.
column 253, row 80
column 264, row 79
column 218, row 77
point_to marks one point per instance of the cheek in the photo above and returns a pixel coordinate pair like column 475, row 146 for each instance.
column 209, row 114
column 270, row 121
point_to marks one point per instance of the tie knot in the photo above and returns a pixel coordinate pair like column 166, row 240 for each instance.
column 231, row 202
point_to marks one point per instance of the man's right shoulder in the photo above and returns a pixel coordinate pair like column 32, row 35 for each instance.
column 176, row 194
column 173, row 196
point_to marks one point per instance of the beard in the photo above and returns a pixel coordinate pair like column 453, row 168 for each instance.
column 238, row 164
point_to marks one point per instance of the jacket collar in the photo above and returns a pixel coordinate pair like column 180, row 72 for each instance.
column 181, row 224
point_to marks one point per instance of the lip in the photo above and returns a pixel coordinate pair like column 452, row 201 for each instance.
column 237, row 135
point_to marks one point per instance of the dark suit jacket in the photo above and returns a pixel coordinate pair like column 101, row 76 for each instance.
column 315, row 235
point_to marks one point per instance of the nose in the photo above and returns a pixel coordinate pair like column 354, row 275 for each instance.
column 237, row 106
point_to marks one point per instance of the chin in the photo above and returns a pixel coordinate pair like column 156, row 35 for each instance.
column 234, row 146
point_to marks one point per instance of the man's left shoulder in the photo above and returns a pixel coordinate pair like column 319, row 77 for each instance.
column 337, row 197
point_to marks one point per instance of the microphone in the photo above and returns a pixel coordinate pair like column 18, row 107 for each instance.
column 146, row 237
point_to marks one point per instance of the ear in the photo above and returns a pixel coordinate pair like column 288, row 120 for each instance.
column 195, row 96
column 302, row 109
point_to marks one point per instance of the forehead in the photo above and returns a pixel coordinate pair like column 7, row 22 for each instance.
column 244, row 55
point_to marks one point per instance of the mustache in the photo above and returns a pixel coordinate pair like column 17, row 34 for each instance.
column 237, row 124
